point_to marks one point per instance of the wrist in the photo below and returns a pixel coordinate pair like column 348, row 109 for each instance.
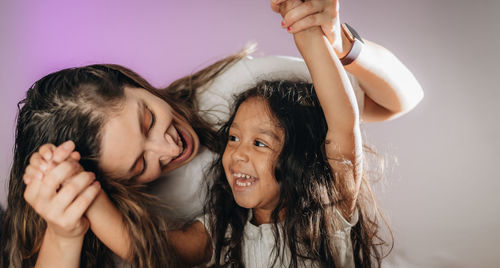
column 307, row 35
column 62, row 242
column 356, row 44
column 59, row 251
column 346, row 46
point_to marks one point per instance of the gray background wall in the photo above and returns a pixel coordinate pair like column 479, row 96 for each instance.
column 441, row 195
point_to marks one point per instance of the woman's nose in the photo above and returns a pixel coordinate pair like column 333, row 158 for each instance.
column 165, row 148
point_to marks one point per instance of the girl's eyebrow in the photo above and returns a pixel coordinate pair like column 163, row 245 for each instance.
column 260, row 130
column 268, row 132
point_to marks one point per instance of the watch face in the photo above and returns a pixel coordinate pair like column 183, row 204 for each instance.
column 352, row 33
column 347, row 32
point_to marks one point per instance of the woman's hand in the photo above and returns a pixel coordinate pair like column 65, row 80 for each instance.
column 299, row 16
column 59, row 190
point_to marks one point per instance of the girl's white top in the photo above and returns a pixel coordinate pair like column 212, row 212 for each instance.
column 258, row 244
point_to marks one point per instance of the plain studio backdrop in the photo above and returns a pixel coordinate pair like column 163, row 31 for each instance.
column 440, row 196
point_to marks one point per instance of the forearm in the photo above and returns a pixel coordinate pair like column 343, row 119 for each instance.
column 333, row 89
column 59, row 252
column 391, row 88
column 337, row 99
column 107, row 224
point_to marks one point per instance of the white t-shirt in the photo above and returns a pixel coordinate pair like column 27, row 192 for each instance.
column 258, row 244
column 183, row 189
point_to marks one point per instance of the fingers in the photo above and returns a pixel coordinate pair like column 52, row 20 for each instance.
column 48, row 156
column 72, row 188
column 80, row 205
column 318, row 19
column 47, row 150
column 64, row 211
column 55, row 177
column 63, row 151
column 306, row 9
column 275, row 6
column 75, row 155
column 37, row 161
column 31, row 192
column 32, row 173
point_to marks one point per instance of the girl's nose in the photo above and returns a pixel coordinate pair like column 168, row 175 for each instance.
column 240, row 153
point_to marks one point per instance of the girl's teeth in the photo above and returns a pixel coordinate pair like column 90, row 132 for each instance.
column 243, row 184
column 240, row 175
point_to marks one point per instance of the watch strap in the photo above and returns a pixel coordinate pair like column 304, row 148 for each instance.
column 357, row 44
column 353, row 54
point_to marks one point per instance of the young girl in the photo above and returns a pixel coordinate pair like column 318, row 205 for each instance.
column 288, row 184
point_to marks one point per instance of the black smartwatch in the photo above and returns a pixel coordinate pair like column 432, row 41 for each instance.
column 356, row 41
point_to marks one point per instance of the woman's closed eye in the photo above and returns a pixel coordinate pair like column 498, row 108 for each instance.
column 144, row 165
column 153, row 120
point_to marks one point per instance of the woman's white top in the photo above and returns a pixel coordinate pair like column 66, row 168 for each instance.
column 258, row 244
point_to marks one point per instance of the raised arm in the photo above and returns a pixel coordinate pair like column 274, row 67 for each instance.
column 391, row 89
column 337, row 99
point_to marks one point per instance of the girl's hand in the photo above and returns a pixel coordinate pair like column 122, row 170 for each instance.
column 59, row 190
column 298, row 16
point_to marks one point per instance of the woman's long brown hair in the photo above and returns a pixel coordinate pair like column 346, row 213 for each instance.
column 74, row 104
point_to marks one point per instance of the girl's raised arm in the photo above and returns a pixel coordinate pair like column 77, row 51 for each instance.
column 391, row 89
column 337, row 99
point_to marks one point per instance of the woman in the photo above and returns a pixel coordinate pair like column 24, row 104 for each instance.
column 124, row 128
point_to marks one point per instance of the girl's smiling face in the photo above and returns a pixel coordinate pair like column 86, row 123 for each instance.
column 254, row 143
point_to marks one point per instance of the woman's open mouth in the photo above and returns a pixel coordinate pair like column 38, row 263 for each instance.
column 187, row 146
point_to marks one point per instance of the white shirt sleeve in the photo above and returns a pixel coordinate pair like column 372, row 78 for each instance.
column 216, row 99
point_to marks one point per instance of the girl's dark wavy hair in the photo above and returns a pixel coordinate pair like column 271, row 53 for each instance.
column 308, row 188
column 74, row 104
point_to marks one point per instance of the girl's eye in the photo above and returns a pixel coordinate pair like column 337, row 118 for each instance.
column 232, row 138
column 259, row 144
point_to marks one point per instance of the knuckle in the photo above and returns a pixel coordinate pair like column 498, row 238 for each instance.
column 46, row 148
column 71, row 189
column 70, row 166
column 85, row 178
column 310, row 6
column 91, row 175
column 313, row 20
column 83, row 201
column 34, row 156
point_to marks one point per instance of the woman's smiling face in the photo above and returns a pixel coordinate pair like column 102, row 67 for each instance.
column 254, row 143
column 145, row 139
